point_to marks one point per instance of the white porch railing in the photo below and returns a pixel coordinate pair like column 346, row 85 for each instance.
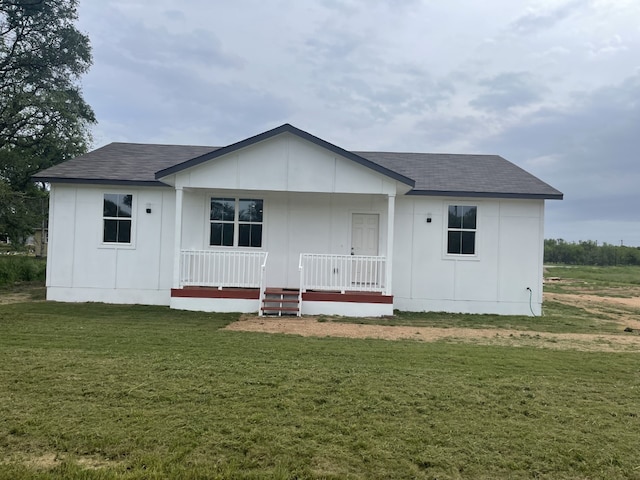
column 342, row 273
column 232, row 268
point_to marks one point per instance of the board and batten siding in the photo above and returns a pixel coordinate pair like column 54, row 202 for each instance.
column 286, row 164
column 509, row 246
column 294, row 223
column 509, row 257
column 80, row 267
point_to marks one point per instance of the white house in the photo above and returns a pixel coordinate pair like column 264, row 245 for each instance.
column 285, row 222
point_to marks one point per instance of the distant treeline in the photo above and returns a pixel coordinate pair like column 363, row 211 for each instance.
column 589, row 253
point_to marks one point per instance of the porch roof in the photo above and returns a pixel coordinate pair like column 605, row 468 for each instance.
column 426, row 173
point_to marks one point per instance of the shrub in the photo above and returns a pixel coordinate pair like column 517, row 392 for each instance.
column 21, row 268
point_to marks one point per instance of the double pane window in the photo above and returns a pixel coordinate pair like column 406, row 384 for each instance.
column 461, row 232
column 116, row 213
column 236, row 222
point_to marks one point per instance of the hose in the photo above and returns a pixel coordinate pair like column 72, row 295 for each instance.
column 530, row 301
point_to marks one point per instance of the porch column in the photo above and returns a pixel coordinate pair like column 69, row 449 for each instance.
column 391, row 212
column 177, row 239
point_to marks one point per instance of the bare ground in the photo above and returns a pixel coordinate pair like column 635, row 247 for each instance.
column 620, row 310
column 14, row 298
column 49, row 461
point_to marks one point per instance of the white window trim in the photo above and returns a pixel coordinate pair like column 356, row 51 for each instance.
column 236, row 222
column 445, row 234
column 115, row 245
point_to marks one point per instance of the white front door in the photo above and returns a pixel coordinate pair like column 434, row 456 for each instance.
column 364, row 241
column 364, row 234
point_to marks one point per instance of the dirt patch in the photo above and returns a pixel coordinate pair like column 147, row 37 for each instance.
column 22, row 292
column 43, row 462
column 311, row 327
column 49, row 461
column 622, row 310
column 14, row 298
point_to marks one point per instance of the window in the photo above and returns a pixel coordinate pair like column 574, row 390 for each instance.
column 116, row 213
column 236, row 222
column 461, row 233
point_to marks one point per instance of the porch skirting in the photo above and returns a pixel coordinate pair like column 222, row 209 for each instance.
column 348, row 304
column 208, row 292
column 204, row 299
column 247, row 300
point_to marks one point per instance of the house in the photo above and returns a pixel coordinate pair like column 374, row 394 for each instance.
column 37, row 242
column 285, row 222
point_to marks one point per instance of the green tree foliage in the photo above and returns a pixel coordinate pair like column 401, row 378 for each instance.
column 43, row 117
column 589, row 253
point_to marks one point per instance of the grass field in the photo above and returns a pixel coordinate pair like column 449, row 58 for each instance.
column 593, row 278
column 101, row 391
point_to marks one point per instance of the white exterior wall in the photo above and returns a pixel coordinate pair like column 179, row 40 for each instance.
column 509, row 257
column 81, row 268
column 294, row 223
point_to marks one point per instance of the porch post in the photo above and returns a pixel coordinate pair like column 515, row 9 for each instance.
column 177, row 239
column 391, row 212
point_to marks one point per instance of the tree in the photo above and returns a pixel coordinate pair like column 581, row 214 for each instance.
column 43, row 118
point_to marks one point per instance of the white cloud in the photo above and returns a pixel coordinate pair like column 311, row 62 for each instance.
column 607, row 46
column 543, row 17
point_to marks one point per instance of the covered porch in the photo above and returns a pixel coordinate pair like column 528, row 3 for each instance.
column 329, row 284
column 284, row 223
column 315, row 254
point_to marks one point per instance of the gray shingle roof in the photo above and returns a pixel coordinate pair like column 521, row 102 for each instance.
column 433, row 174
column 455, row 174
column 132, row 163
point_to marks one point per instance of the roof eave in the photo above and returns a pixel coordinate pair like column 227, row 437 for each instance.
column 101, row 181
column 452, row 193
column 286, row 128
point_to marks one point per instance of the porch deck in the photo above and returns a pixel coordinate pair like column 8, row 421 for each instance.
column 228, row 281
column 254, row 294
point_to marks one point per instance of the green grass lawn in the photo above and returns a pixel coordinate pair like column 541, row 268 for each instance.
column 593, row 278
column 97, row 391
column 557, row 318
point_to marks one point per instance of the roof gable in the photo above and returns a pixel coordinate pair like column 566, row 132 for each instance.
column 286, row 128
column 285, row 162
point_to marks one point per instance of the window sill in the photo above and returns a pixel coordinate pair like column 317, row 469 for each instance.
column 464, row 258
column 117, row 246
column 224, row 247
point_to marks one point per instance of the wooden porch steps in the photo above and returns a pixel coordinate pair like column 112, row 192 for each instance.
column 281, row 301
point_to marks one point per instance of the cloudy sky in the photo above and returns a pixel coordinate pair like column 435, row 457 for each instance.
column 552, row 85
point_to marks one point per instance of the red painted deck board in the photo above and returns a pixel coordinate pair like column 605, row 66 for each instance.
column 354, row 297
column 212, row 292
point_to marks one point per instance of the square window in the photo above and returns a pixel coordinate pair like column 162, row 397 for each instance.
column 250, row 210
column 221, row 234
column 236, row 222
column 223, row 209
column 250, row 235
